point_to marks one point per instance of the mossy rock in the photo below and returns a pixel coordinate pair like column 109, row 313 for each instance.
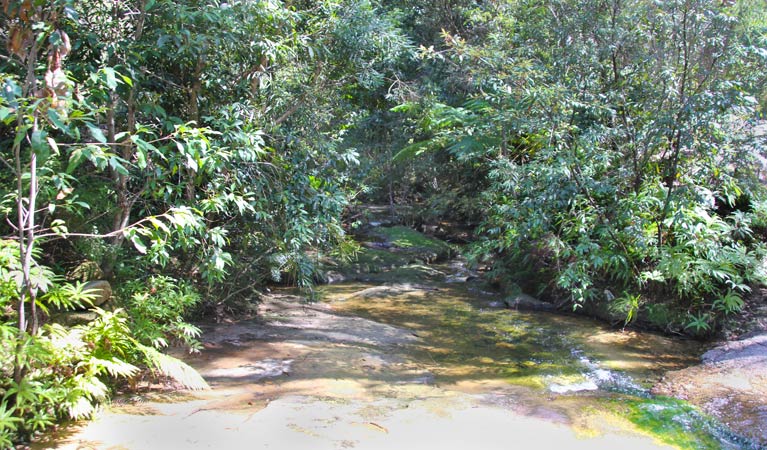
column 418, row 245
column 386, row 249
column 371, row 260
column 72, row 318
column 86, row 271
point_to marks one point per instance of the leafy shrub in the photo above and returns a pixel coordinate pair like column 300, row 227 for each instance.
column 552, row 235
column 62, row 372
column 67, row 371
column 157, row 308
column 614, row 163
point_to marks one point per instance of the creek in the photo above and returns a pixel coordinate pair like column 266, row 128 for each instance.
column 419, row 356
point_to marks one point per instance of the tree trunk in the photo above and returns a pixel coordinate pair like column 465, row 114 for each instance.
column 124, row 200
column 194, row 113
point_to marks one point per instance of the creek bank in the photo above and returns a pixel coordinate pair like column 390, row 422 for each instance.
column 730, row 381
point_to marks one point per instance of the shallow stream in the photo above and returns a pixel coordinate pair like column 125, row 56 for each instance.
column 417, row 357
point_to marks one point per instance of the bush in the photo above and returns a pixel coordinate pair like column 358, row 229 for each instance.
column 157, row 308
column 65, row 372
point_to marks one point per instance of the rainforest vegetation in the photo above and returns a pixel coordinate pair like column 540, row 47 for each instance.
column 192, row 152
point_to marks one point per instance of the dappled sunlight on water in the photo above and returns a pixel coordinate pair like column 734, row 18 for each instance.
column 462, row 336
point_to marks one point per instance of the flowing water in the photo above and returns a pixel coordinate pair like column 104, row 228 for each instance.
column 416, row 358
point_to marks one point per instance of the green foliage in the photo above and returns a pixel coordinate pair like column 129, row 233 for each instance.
column 615, row 142
column 627, row 305
column 157, row 308
column 67, row 372
column 602, row 149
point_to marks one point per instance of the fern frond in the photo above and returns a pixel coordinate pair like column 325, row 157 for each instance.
column 90, row 387
column 115, row 367
column 416, row 149
column 174, row 368
column 80, row 408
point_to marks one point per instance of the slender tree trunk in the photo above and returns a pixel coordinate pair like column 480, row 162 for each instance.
column 194, row 112
column 26, row 219
column 676, row 133
column 124, row 199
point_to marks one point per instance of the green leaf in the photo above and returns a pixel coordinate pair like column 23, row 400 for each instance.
column 54, row 146
column 71, row 13
column 76, row 158
column 21, row 133
column 405, row 107
column 10, row 92
column 191, row 163
column 97, row 134
column 5, row 113
column 57, row 121
column 109, row 77
column 40, row 145
column 146, row 147
column 59, row 227
column 158, row 224
column 138, row 244
column 415, row 149
column 116, row 164
column 141, row 157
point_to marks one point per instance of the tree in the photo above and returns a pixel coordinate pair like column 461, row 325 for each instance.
column 612, row 132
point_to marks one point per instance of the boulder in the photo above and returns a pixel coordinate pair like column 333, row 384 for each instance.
column 101, row 291
column 86, row 271
column 72, row 318
column 527, row 303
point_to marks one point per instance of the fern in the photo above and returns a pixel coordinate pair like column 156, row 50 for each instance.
column 115, row 367
column 9, row 424
column 173, row 368
column 79, row 408
column 730, row 303
column 418, row 148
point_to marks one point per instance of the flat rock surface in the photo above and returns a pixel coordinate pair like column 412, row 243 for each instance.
column 730, row 384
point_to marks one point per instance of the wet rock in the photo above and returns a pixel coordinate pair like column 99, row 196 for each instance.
column 526, row 302
column 752, row 348
column 587, row 385
column 334, row 277
column 266, row 368
column 730, row 384
column 374, row 244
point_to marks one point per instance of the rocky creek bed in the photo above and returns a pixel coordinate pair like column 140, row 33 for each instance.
column 422, row 355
